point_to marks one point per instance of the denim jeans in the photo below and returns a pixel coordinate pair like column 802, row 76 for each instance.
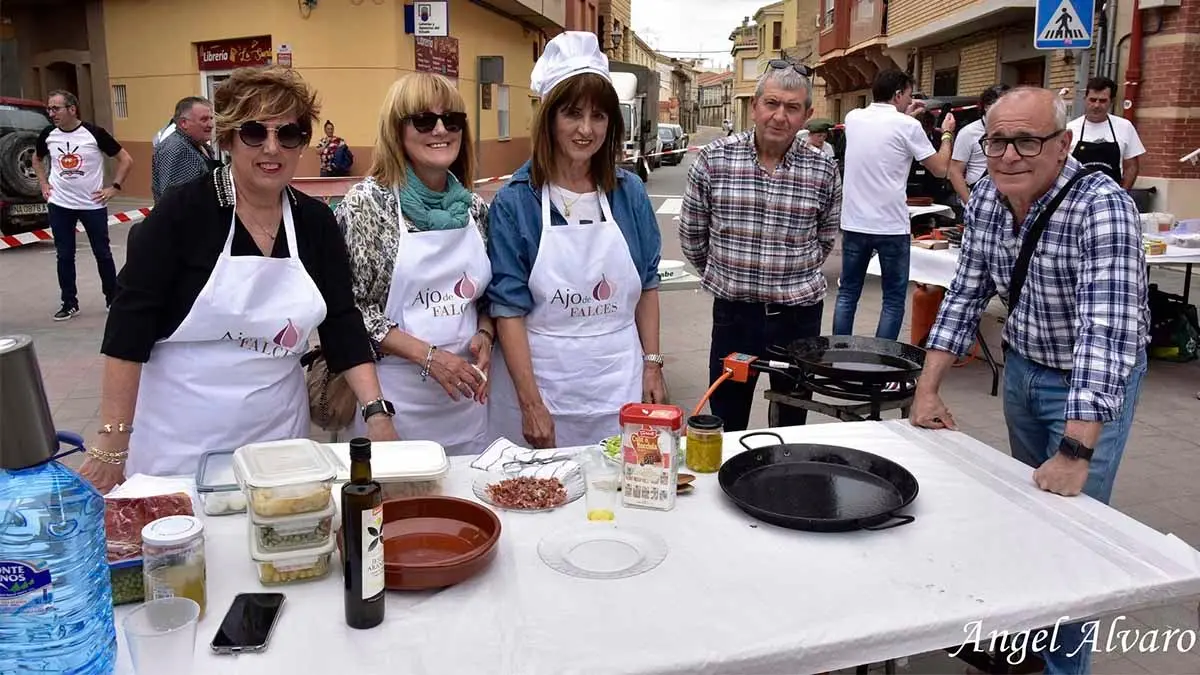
column 752, row 328
column 95, row 224
column 1035, row 400
column 857, row 248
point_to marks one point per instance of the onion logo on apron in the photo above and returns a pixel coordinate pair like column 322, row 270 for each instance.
column 581, row 305
column 281, row 346
column 446, row 303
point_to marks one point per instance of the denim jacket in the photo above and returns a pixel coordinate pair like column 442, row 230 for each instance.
column 515, row 231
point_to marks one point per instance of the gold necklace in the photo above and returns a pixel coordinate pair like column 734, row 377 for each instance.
column 562, row 194
column 261, row 230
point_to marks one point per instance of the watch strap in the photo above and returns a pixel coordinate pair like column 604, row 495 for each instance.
column 1073, row 448
column 376, row 407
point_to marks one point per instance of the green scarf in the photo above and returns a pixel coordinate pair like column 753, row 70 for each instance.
column 430, row 210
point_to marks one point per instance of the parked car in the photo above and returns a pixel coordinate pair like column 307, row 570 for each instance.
column 22, row 208
column 670, row 143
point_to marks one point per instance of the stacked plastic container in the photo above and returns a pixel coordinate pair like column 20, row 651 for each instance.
column 292, row 512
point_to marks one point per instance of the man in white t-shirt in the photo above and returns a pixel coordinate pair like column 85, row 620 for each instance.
column 968, row 164
column 74, row 191
column 882, row 141
column 1103, row 141
column 817, row 137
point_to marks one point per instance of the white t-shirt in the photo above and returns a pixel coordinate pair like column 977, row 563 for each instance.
column 76, row 164
column 1126, row 136
column 881, row 144
column 584, row 207
column 966, row 149
column 825, row 149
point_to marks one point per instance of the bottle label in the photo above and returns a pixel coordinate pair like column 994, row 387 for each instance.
column 372, row 555
column 25, row 588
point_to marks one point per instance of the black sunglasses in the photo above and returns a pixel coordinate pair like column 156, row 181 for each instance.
column 426, row 122
column 784, row 64
column 289, row 136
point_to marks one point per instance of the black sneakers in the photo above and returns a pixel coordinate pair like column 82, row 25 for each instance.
column 65, row 313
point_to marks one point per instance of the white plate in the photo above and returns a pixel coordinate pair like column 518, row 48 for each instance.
column 602, row 551
column 574, row 484
column 670, row 268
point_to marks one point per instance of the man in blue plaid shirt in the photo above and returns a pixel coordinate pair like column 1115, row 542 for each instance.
column 1075, row 340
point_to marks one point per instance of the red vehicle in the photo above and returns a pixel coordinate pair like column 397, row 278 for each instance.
column 22, row 208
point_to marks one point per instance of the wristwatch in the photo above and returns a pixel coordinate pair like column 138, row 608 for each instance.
column 654, row 358
column 376, row 407
column 1073, row 448
column 117, row 186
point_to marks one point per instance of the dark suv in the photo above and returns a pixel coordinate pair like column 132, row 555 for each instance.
column 22, row 208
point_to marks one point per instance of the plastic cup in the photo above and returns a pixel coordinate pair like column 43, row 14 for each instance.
column 161, row 632
column 603, row 479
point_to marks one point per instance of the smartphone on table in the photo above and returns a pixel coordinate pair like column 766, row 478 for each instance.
column 248, row 624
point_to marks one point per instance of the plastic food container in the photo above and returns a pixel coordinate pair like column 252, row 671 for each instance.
column 217, row 486
column 402, row 468
column 282, row 534
column 173, row 559
column 126, row 579
column 284, row 568
column 284, row 478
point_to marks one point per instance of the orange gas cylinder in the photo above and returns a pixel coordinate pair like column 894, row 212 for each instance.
column 925, row 303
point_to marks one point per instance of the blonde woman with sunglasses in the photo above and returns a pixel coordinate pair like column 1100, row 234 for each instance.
column 223, row 285
column 416, row 235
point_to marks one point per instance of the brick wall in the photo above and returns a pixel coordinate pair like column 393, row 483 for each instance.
column 1061, row 72
column 977, row 64
column 905, row 15
column 1170, row 93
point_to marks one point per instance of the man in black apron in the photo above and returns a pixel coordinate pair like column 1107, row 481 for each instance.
column 1105, row 152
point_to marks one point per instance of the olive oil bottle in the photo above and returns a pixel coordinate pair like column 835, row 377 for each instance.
column 362, row 528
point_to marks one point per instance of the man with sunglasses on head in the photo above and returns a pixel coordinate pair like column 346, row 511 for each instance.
column 882, row 141
column 74, row 192
column 759, row 218
column 1075, row 339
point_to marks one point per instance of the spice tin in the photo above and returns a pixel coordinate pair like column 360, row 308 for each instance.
column 650, row 447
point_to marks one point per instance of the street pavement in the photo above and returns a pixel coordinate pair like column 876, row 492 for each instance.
column 1159, row 480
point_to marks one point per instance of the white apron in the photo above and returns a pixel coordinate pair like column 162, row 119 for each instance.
column 230, row 374
column 438, row 277
column 587, row 357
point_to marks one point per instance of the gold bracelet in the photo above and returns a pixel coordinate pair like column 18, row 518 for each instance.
column 114, row 458
column 121, row 427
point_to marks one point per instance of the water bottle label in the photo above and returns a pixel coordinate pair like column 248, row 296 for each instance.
column 25, row 588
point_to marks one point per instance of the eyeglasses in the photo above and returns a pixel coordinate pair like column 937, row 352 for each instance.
column 426, row 122
column 55, row 108
column 784, row 64
column 1026, row 146
column 289, row 136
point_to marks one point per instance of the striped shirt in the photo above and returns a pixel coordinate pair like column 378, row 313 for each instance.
column 1084, row 306
column 756, row 236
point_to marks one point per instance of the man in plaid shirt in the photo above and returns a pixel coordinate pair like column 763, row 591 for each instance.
column 759, row 218
column 185, row 154
column 1075, row 340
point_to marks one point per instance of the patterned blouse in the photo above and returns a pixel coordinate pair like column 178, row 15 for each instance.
column 368, row 216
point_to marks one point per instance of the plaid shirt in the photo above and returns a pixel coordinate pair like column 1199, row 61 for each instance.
column 176, row 160
column 755, row 236
column 1084, row 304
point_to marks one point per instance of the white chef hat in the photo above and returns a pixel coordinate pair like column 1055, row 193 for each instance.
column 570, row 53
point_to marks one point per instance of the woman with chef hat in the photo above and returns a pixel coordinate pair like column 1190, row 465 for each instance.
column 575, row 247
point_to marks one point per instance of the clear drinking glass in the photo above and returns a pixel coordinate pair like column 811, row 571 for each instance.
column 162, row 632
column 603, row 479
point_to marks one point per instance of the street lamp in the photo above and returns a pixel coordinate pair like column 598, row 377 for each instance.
column 616, row 38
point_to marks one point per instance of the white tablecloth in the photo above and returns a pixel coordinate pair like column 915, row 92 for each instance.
column 931, row 210
column 937, row 267
column 735, row 595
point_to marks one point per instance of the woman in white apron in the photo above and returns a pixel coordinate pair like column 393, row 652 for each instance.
column 221, row 291
column 574, row 246
column 416, row 239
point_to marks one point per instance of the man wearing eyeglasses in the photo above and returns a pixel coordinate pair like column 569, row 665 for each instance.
column 759, row 218
column 74, row 191
column 882, row 141
column 1075, row 339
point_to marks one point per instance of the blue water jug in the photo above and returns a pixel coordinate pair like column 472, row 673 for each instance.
column 56, row 612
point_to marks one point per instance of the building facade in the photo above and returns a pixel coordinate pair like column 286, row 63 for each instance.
column 582, row 15
column 745, row 72
column 613, row 28
column 142, row 57
column 642, row 54
column 716, row 98
column 801, row 28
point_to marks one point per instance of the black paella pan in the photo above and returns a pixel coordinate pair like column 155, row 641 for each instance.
column 821, row 488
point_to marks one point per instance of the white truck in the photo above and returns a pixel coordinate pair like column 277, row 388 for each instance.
column 637, row 90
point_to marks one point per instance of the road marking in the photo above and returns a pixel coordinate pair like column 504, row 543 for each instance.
column 671, row 207
column 665, row 196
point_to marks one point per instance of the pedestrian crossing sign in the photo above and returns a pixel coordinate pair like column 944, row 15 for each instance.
column 1063, row 24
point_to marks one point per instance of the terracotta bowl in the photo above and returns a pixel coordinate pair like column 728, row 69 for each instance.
column 434, row 542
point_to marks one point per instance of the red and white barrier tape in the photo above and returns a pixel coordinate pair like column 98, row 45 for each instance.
column 15, row 240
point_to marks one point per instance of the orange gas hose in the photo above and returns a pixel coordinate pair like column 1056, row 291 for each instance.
column 704, row 399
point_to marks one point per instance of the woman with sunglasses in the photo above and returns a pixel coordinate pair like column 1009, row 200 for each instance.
column 575, row 247
column 223, row 286
column 416, row 234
